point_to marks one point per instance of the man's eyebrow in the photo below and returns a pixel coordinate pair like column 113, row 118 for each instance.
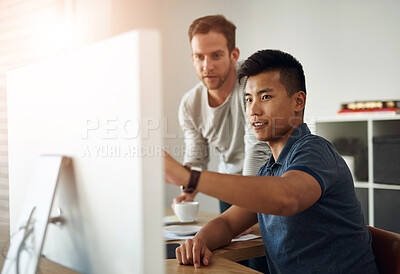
column 218, row 51
column 213, row 52
column 264, row 91
column 260, row 91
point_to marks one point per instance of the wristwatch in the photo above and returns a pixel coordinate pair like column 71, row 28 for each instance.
column 194, row 179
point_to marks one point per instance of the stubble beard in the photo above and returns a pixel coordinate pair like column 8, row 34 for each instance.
column 221, row 81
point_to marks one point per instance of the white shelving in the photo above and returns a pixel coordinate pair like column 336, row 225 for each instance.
column 364, row 128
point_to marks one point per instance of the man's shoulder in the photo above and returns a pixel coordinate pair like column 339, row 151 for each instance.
column 310, row 141
column 193, row 97
column 195, row 93
column 313, row 147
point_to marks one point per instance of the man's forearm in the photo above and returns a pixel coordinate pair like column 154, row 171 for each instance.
column 254, row 193
column 215, row 234
column 284, row 195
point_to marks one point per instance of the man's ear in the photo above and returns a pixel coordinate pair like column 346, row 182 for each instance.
column 300, row 99
column 235, row 55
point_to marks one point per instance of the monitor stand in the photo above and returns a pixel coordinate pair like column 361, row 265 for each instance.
column 26, row 242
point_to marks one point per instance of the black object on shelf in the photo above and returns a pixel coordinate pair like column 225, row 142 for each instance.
column 356, row 148
column 387, row 160
column 387, row 204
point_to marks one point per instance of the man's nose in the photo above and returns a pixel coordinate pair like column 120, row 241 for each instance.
column 208, row 64
column 255, row 108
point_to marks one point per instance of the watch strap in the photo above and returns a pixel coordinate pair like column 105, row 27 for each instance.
column 193, row 181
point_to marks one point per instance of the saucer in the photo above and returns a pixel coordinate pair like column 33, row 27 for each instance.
column 182, row 230
column 173, row 220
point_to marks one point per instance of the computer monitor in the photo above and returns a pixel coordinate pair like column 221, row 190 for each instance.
column 100, row 106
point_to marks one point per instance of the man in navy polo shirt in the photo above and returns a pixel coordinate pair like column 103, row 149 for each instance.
column 303, row 198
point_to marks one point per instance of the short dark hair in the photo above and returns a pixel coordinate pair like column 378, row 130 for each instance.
column 291, row 71
column 217, row 23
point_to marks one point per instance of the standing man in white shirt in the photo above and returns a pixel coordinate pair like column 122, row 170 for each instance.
column 212, row 115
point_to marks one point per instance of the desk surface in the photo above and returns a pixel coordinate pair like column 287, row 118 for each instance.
column 218, row 265
column 236, row 251
column 223, row 260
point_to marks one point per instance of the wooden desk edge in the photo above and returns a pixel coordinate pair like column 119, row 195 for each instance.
column 236, row 251
column 217, row 265
column 254, row 249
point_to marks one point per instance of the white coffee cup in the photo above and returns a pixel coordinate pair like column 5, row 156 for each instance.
column 186, row 212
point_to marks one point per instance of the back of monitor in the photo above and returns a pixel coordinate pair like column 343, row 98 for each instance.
column 100, row 106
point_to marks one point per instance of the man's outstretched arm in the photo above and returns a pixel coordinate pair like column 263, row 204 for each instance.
column 284, row 195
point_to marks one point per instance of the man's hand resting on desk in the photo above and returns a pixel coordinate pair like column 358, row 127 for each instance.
column 193, row 251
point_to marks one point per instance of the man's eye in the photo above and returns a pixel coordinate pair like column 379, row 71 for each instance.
column 265, row 97
column 248, row 100
column 199, row 57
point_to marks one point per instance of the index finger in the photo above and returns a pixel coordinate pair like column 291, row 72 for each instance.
column 197, row 254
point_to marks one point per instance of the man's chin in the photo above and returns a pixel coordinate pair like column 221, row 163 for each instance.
column 261, row 137
column 212, row 86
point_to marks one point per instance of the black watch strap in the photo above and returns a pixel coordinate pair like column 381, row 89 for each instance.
column 193, row 181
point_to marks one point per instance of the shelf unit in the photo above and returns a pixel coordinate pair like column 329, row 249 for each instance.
column 380, row 202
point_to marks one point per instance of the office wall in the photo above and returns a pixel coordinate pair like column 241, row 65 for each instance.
column 350, row 50
column 27, row 31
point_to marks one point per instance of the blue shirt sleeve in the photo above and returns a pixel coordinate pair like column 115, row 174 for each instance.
column 318, row 158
